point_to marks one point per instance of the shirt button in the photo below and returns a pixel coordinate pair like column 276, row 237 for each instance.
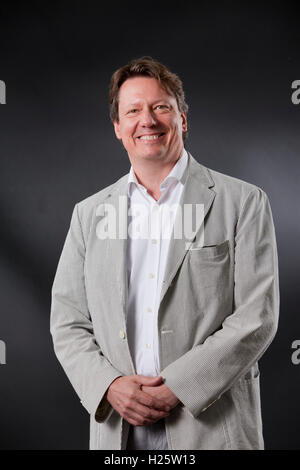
column 148, row 346
column 155, row 208
column 149, row 310
column 152, row 276
column 122, row 334
column 154, row 242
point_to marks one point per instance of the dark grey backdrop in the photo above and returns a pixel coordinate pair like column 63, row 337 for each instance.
column 57, row 146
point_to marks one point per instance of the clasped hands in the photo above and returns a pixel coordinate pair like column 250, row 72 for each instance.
column 141, row 400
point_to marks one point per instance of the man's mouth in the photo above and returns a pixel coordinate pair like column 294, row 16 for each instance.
column 151, row 136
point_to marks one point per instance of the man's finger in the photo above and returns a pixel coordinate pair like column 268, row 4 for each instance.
column 133, row 418
column 149, row 381
column 146, row 416
column 151, row 402
column 150, row 413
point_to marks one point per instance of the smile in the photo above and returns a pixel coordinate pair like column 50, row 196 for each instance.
column 151, row 137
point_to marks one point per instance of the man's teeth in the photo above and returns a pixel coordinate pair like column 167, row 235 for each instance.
column 149, row 137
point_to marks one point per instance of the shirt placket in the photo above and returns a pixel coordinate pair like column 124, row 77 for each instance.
column 151, row 292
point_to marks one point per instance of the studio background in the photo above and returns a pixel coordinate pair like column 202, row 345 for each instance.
column 57, row 146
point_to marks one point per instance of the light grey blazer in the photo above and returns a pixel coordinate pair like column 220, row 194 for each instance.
column 218, row 314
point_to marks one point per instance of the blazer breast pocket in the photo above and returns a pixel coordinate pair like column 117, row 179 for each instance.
column 209, row 264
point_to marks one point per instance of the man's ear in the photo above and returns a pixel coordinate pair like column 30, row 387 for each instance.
column 184, row 122
column 117, row 129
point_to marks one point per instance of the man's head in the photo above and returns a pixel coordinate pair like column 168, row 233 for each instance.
column 148, row 109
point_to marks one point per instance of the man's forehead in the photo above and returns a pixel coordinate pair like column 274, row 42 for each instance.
column 137, row 89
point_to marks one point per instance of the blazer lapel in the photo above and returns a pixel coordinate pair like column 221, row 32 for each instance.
column 196, row 191
column 115, row 247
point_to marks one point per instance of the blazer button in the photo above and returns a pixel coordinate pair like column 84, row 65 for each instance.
column 122, row 334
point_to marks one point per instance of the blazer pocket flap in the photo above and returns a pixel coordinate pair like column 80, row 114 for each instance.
column 210, row 250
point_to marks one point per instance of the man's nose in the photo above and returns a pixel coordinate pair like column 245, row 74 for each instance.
column 147, row 118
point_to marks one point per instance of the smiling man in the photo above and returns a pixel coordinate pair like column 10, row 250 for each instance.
column 151, row 128
column 160, row 335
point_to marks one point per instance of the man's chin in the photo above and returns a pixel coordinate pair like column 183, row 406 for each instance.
column 151, row 155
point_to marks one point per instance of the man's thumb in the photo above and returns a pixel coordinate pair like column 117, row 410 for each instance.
column 150, row 381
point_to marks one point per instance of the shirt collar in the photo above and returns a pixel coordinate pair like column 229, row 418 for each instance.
column 176, row 174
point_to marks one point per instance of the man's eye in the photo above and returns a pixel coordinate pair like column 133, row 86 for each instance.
column 163, row 107
column 133, row 111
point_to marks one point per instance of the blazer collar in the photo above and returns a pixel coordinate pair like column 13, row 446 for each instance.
column 197, row 174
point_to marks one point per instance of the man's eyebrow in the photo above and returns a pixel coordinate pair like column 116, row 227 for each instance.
column 135, row 103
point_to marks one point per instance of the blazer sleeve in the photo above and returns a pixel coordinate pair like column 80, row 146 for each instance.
column 71, row 328
column 203, row 374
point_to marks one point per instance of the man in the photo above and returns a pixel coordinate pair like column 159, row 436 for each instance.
column 160, row 335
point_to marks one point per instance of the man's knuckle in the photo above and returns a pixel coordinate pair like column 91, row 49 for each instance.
column 151, row 402
column 131, row 394
column 126, row 403
column 149, row 415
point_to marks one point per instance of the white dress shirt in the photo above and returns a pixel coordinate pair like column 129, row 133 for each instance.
column 150, row 225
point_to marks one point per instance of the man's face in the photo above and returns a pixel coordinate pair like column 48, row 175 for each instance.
column 150, row 124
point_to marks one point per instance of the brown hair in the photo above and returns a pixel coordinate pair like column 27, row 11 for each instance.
column 147, row 67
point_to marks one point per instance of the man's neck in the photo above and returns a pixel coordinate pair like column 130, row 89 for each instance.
column 152, row 175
